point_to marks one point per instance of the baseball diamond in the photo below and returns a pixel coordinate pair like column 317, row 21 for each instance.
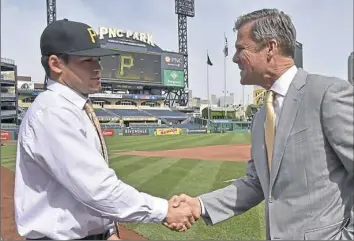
column 211, row 160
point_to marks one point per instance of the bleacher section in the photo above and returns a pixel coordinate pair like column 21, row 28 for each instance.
column 147, row 125
column 102, row 113
column 167, row 114
column 128, row 112
column 164, row 114
column 8, row 114
column 110, row 126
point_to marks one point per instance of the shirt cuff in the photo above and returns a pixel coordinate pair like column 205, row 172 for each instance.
column 202, row 206
column 112, row 231
column 159, row 210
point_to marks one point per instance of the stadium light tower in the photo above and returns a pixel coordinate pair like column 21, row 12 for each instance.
column 184, row 9
column 51, row 11
column 51, row 17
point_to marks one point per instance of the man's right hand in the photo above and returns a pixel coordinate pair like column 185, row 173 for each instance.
column 179, row 216
column 179, row 202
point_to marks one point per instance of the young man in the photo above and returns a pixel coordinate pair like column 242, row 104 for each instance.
column 64, row 188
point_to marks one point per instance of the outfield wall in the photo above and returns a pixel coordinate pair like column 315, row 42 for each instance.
column 163, row 131
column 151, row 131
column 11, row 134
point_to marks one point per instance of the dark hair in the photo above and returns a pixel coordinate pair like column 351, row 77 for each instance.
column 271, row 24
column 45, row 59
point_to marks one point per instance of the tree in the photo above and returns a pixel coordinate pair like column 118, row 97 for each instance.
column 251, row 110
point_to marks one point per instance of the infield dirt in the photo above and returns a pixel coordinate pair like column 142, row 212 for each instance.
column 235, row 153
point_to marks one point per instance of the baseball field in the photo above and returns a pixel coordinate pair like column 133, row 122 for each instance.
column 168, row 165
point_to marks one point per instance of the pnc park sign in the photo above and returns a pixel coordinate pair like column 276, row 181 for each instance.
column 104, row 32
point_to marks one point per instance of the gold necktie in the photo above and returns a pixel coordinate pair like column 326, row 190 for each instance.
column 92, row 115
column 269, row 126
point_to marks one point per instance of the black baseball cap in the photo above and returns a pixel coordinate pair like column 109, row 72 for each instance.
column 72, row 38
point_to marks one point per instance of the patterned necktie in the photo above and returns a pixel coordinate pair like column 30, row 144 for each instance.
column 92, row 115
column 269, row 126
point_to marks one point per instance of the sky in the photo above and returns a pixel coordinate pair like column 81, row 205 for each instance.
column 324, row 27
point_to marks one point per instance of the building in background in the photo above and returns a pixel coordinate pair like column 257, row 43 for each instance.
column 25, row 83
column 8, row 97
column 351, row 68
column 213, row 99
column 190, row 95
column 225, row 101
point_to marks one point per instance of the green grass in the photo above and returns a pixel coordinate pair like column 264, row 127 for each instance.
column 149, row 143
column 165, row 177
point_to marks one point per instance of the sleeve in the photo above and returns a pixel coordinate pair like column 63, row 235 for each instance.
column 202, row 208
column 243, row 194
column 338, row 121
column 61, row 148
column 338, row 124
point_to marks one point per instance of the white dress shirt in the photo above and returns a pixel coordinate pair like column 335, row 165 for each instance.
column 280, row 87
column 64, row 189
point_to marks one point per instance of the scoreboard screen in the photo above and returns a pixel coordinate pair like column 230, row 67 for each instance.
column 132, row 67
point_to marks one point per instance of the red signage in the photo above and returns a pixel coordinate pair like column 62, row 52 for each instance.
column 108, row 132
column 5, row 136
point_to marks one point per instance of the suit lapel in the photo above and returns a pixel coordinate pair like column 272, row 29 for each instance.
column 289, row 111
column 259, row 151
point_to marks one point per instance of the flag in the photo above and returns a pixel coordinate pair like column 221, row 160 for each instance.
column 208, row 60
column 226, row 48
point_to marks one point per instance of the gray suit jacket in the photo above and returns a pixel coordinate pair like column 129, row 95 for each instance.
column 309, row 192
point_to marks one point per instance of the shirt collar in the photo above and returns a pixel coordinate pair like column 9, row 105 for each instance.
column 281, row 85
column 72, row 96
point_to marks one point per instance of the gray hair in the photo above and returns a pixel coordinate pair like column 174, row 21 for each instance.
column 271, row 24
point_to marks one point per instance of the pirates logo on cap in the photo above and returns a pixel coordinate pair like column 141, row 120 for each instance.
column 92, row 34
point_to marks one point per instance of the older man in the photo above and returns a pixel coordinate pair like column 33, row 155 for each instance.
column 64, row 188
column 302, row 141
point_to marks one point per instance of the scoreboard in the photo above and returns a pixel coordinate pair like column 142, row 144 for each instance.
column 132, row 67
column 165, row 69
column 139, row 61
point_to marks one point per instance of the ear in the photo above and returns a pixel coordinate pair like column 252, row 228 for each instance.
column 272, row 48
column 55, row 64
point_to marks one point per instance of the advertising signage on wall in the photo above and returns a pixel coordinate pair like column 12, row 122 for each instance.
column 108, row 132
column 172, row 61
column 196, row 131
column 173, row 78
column 168, row 131
column 135, row 132
column 5, row 135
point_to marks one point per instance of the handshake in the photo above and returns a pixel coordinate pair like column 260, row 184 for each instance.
column 183, row 212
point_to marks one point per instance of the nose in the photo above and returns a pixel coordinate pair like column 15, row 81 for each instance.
column 98, row 65
column 235, row 59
